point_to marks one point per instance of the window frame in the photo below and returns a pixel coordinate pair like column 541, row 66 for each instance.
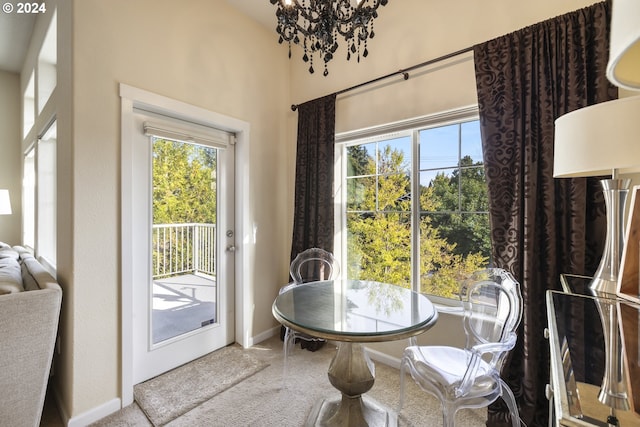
column 39, row 201
column 411, row 128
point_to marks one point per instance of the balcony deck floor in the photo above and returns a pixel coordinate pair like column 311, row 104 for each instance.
column 182, row 304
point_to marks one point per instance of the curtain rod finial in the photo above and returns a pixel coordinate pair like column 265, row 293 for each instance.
column 294, row 107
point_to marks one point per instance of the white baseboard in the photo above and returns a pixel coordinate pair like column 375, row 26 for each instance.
column 264, row 335
column 93, row 414
column 381, row 357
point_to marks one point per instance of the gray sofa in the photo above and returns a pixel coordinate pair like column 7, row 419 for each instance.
column 30, row 301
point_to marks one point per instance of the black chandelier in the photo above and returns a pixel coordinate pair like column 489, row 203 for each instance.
column 317, row 25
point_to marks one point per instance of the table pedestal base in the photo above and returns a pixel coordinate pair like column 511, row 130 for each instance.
column 352, row 372
column 362, row 411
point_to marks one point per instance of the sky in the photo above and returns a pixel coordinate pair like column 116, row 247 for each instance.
column 440, row 148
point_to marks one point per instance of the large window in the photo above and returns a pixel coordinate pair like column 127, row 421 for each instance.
column 39, row 145
column 414, row 208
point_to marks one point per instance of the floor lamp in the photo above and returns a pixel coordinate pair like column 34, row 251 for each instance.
column 623, row 69
column 598, row 140
column 602, row 139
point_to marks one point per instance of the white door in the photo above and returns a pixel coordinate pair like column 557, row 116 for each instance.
column 183, row 242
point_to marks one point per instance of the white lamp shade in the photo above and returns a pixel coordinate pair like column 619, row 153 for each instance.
column 5, row 203
column 595, row 140
column 623, row 69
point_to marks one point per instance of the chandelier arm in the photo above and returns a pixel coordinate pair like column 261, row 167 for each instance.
column 308, row 12
column 304, row 11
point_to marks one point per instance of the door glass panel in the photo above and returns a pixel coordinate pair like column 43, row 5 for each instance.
column 183, row 290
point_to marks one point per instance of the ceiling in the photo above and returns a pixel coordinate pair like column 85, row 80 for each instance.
column 15, row 33
column 15, row 30
column 260, row 10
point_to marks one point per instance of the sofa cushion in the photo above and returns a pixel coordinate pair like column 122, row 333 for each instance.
column 10, row 276
column 10, row 287
column 34, row 276
column 8, row 253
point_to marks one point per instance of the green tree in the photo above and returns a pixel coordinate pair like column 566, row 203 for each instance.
column 379, row 231
column 461, row 196
column 184, row 191
column 359, row 161
column 183, row 183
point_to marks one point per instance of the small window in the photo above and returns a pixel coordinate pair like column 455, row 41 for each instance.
column 29, row 200
column 28, row 106
column 47, row 196
column 47, row 64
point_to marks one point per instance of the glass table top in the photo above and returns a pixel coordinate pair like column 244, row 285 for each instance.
column 354, row 310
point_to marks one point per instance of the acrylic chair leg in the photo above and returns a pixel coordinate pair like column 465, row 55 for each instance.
column 448, row 414
column 287, row 347
column 510, row 400
column 402, row 384
column 284, row 364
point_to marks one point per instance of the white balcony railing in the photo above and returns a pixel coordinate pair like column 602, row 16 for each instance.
column 183, row 249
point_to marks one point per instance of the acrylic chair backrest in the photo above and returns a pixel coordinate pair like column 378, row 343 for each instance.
column 314, row 264
column 492, row 312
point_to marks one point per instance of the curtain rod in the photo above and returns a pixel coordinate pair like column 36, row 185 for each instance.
column 404, row 72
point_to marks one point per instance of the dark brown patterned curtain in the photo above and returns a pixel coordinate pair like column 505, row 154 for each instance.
column 540, row 226
column 313, row 214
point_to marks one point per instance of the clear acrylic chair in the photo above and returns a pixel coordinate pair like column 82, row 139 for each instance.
column 469, row 377
column 311, row 265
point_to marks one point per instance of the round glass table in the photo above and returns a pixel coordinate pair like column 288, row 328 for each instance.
column 352, row 312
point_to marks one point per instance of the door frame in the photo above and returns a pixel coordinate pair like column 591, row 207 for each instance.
column 131, row 98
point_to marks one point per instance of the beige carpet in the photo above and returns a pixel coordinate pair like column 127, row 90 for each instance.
column 260, row 400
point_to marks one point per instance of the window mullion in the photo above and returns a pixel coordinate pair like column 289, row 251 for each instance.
column 415, row 211
column 460, row 168
column 340, row 176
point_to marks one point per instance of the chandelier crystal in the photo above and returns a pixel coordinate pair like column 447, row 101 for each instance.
column 317, row 25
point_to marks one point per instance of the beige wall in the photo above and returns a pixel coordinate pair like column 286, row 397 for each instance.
column 10, row 161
